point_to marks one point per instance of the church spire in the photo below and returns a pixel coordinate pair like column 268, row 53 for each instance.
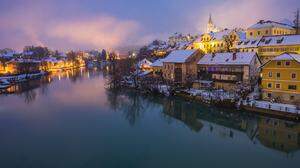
column 210, row 19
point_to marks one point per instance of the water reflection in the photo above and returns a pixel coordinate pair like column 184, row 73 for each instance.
column 277, row 134
column 29, row 90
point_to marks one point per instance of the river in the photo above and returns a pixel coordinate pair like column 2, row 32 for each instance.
column 70, row 120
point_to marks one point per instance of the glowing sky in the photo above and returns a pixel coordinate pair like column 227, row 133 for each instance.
column 86, row 24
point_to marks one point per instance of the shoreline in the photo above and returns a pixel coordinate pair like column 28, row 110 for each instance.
column 228, row 104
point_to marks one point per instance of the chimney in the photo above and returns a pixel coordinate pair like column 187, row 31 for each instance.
column 234, row 56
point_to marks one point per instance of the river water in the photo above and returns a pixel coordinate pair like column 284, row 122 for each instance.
column 70, row 120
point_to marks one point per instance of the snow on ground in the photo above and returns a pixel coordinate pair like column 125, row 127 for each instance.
column 273, row 106
column 212, row 95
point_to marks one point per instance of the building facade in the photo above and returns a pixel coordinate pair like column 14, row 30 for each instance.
column 227, row 71
column 221, row 41
column 181, row 65
column 269, row 28
column 280, row 79
column 271, row 46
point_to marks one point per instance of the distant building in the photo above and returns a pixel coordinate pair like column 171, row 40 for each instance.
column 22, row 66
column 144, row 65
column 227, row 70
column 181, row 65
column 221, row 41
column 280, row 79
column 247, row 45
column 269, row 28
column 211, row 27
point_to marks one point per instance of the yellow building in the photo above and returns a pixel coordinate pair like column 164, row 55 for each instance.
column 269, row 28
column 281, row 79
column 247, row 45
column 271, row 46
column 215, row 42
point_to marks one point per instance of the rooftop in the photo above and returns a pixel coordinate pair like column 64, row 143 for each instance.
column 243, row 58
column 279, row 40
column 179, row 56
column 269, row 23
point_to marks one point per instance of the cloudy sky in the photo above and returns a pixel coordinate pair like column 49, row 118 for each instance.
column 88, row 24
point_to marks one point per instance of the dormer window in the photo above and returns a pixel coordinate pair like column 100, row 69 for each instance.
column 287, row 63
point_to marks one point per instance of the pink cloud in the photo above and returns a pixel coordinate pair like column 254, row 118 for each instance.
column 99, row 32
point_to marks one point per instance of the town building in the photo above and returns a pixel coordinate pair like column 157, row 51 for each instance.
column 228, row 71
column 157, row 67
column 144, row 64
column 221, row 41
column 269, row 28
column 181, row 65
column 211, row 27
column 247, row 45
column 271, row 46
column 22, row 66
column 280, row 79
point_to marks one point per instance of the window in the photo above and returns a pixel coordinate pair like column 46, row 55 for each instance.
column 292, row 97
column 270, row 74
column 258, row 33
column 287, row 63
column 278, row 63
column 267, row 32
column 278, row 75
column 269, row 85
column 292, row 87
column 278, row 86
column 251, row 34
column 294, row 76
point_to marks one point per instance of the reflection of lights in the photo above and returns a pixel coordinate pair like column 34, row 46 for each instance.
column 107, row 68
column 59, row 77
column 88, row 74
column 49, row 79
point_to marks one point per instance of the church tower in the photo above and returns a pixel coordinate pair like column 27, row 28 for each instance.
column 210, row 26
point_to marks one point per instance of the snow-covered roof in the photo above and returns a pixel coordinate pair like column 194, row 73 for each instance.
column 287, row 56
column 243, row 58
column 219, row 35
column 248, row 43
column 179, row 56
column 21, row 60
column 267, row 24
column 144, row 62
column 280, row 40
column 157, row 63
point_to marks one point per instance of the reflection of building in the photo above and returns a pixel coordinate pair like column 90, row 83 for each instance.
column 179, row 111
column 280, row 79
column 226, row 70
column 180, row 65
column 269, row 28
column 279, row 134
